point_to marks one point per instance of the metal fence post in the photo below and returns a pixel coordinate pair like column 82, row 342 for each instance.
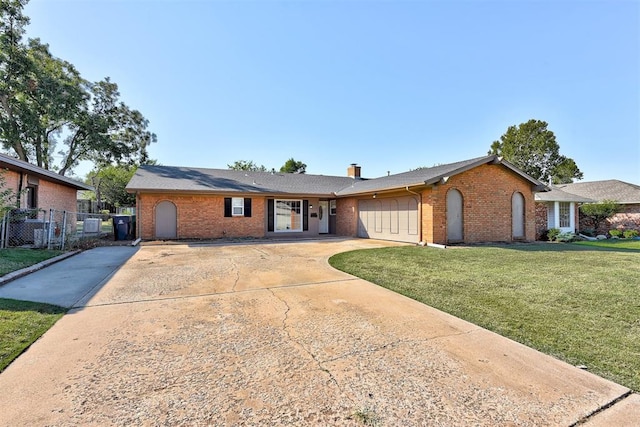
column 3, row 231
column 64, row 229
column 51, row 229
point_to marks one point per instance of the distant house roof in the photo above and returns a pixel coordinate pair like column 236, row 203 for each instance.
column 612, row 189
column 185, row 179
column 557, row 195
column 11, row 163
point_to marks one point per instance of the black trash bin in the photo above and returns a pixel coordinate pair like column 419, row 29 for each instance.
column 121, row 227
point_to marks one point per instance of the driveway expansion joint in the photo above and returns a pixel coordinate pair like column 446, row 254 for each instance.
column 602, row 408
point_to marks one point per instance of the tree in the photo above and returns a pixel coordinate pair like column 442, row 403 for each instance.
column 293, row 166
column 246, row 165
column 599, row 212
column 45, row 105
column 110, row 182
column 533, row 149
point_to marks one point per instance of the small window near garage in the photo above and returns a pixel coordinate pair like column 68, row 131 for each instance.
column 332, row 207
column 564, row 209
column 237, row 206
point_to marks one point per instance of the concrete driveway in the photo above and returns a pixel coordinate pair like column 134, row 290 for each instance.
column 270, row 334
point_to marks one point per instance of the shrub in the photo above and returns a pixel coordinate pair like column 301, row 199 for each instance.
column 565, row 237
column 630, row 234
column 589, row 232
column 552, row 234
column 615, row 233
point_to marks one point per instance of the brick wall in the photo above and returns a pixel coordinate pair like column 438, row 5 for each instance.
column 347, row 217
column 628, row 219
column 201, row 217
column 542, row 213
column 50, row 195
column 486, row 191
column 12, row 180
column 57, row 196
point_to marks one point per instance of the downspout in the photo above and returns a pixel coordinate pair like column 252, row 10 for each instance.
column 419, row 213
column 19, row 193
column 138, row 216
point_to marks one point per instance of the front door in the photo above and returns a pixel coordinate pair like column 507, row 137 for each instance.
column 166, row 220
column 323, row 217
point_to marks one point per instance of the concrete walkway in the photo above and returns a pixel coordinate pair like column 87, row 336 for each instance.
column 66, row 282
column 270, row 334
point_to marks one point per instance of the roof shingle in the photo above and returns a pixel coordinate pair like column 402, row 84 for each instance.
column 185, row 179
column 612, row 189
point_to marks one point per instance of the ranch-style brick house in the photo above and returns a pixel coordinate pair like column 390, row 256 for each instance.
column 626, row 194
column 484, row 199
column 38, row 188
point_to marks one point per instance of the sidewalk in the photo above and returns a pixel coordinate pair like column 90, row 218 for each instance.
column 66, row 281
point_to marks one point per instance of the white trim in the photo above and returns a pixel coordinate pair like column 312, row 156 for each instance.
column 275, row 216
column 237, row 203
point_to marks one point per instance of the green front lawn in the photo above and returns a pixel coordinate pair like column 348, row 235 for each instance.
column 13, row 259
column 21, row 323
column 612, row 244
column 580, row 303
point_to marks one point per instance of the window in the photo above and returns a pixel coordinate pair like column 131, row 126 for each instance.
column 237, row 206
column 332, row 207
column 32, row 196
column 288, row 215
column 564, row 209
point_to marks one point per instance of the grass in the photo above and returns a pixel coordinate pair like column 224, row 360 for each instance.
column 22, row 323
column 612, row 244
column 579, row 303
column 18, row 258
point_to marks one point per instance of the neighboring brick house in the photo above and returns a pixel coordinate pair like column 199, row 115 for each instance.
column 558, row 209
column 485, row 199
column 624, row 193
column 39, row 188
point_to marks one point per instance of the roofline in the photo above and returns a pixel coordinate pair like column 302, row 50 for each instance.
column 443, row 178
column 22, row 166
column 229, row 193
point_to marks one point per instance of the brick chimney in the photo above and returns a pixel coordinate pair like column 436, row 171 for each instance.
column 353, row 171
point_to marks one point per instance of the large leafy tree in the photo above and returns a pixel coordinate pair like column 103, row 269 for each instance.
column 293, row 166
column 47, row 108
column 533, row 148
column 246, row 165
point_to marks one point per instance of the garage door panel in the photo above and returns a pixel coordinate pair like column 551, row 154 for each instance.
column 389, row 219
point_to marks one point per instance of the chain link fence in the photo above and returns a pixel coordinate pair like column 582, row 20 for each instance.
column 53, row 229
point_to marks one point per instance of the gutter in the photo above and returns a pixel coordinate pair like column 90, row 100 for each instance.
column 419, row 213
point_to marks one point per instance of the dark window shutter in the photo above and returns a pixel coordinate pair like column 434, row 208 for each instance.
column 227, row 206
column 247, row 207
column 270, row 216
column 305, row 215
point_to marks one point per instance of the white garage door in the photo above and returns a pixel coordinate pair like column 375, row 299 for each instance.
column 389, row 219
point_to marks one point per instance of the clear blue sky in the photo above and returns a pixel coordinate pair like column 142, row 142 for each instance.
column 390, row 85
